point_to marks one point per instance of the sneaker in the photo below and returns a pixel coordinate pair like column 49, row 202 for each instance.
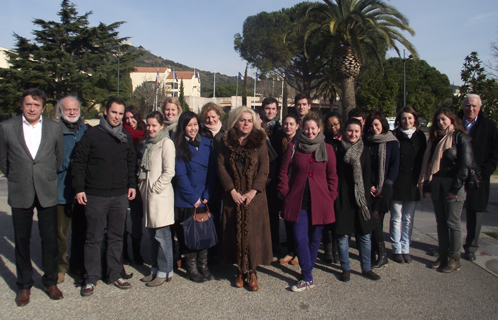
column 122, row 284
column 87, row 290
column 302, row 285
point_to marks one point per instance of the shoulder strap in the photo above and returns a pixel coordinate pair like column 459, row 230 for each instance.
column 293, row 150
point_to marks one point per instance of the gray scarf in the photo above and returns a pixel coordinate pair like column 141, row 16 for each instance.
column 317, row 145
column 149, row 143
column 352, row 157
column 116, row 132
column 382, row 139
column 171, row 125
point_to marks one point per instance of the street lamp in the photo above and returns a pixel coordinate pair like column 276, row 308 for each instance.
column 404, row 77
column 117, row 53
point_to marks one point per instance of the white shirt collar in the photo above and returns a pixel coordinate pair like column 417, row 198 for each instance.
column 25, row 121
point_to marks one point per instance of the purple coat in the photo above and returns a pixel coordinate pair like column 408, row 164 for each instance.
column 322, row 177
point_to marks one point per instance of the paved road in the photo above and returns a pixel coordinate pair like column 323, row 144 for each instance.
column 410, row 291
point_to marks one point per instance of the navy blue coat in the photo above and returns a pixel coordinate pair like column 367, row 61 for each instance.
column 195, row 179
column 64, row 178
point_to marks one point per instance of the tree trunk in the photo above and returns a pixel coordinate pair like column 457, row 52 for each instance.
column 348, row 100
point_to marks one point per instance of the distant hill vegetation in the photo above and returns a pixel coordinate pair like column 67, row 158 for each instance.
column 148, row 59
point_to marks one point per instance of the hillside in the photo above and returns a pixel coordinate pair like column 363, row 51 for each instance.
column 148, row 59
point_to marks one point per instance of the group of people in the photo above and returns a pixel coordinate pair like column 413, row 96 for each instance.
column 327, row 179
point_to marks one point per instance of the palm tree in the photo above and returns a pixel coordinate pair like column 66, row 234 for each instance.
column 355, row 27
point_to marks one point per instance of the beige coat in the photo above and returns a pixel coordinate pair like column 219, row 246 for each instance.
column 156, row 190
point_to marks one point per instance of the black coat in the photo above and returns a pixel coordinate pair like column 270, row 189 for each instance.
column 215, row 201
column 347, row 213
column 410, row 163
column 216, row 140
column 485, row 146
column 102, row 165
column 455, row 162
column 383, row 203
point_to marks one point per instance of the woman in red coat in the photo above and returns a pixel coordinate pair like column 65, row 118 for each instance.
column 309, row 193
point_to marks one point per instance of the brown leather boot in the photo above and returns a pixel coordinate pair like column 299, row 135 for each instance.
column 239, row 282
column 453, row 264
column 253, row 282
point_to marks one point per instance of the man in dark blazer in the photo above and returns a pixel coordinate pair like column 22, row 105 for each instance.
column 31, row 150
column 485, row 146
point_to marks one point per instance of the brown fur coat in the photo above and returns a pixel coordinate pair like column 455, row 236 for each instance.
column 246, row 238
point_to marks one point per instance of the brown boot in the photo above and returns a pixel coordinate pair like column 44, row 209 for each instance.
column 453, row 264
column 239, row 282
column 253, row 282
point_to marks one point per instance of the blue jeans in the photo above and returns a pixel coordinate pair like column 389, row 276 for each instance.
column 402, row 213
column 364, row 246
column 161, row 252
column 307, row 241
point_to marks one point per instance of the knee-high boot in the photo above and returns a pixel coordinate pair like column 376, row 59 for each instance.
column 126, row 256
column 335, row 250
column 327, row 245
column 193, row 272
column 136, row 245
column 378, row 245
column 382, row 256
column 202, row 264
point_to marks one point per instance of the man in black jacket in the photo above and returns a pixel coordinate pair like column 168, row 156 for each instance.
column 104, row 181
column 485, row 146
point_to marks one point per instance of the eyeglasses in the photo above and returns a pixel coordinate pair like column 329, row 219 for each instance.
column 333, row 125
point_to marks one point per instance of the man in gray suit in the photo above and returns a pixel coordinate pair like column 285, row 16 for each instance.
column 31, row 150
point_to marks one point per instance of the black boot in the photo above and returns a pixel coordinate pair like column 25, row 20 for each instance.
column 126, row 256
column 202, row 262
column 327, row 245
column 441, row 261
column 382, row 256
column 136, row 245
column 193, row 273
column 335, row 251
column 125, row 275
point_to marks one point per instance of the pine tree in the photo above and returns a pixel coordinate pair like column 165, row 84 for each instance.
column 475, row 80
column 68, row 56
column 183, row 103
column 244, row 89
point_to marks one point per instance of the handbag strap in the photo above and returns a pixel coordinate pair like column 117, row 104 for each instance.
column 207, row 211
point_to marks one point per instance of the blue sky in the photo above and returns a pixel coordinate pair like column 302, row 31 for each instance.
column 199, row 33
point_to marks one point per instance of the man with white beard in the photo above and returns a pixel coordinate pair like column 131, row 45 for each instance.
column 73, row 128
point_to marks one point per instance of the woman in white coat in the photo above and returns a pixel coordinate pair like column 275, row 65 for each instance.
column 156, row 171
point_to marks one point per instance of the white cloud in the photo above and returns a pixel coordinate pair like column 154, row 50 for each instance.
column 483, row 17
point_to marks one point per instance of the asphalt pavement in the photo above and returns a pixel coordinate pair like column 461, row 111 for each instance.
column 405, row 291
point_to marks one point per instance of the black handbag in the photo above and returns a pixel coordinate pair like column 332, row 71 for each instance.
column 199, row 231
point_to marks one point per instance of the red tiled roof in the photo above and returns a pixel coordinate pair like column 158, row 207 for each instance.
column 149, row 69
column 181, row 75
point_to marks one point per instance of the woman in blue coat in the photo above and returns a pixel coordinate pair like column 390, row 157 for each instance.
column 195, row 168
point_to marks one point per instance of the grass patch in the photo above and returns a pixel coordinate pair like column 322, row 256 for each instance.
column 493, row 234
